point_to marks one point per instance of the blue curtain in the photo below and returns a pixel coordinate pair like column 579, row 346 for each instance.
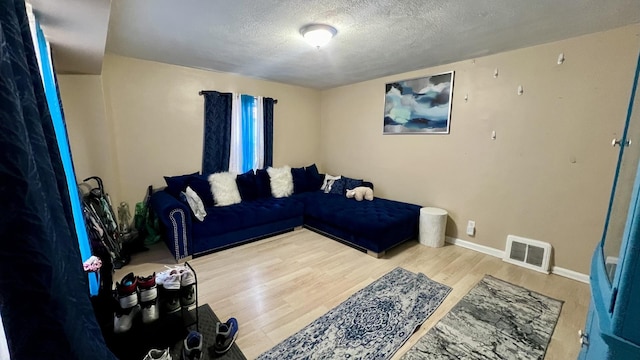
column 44, row 295
column 217, row 132
column 248, row 107
column 268, row 131
column 52, row 95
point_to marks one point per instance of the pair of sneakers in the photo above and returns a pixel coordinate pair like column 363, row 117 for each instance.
column 192, row 346
column 177, row 288
column 225, row 335
column 191, row 350
column 135, row 294
column 155, row 354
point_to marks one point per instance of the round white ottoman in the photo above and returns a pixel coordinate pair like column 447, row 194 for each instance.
column 433, row 223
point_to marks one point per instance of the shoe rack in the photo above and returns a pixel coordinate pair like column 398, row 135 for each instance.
column 169, row 330
column 189, row 313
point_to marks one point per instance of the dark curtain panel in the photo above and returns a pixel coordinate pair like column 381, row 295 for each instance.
column 44, row 296
column 268, row 132
column 217, row 132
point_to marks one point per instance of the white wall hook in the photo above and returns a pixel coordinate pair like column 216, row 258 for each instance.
column 520, row 90
column 495, row 73
column 466, row 97
column 560, row 58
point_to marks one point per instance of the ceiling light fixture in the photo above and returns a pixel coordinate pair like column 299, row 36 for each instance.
column 318, row 34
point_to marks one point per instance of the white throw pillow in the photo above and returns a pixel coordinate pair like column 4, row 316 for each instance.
column 195, row 203
column 224, row 188
column 281, row 181
column 328, row 182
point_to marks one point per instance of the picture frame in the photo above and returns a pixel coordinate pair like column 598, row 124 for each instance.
column 419, row 106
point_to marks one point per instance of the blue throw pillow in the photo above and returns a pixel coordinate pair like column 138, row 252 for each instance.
column 247, row 186
column 350, row 183
column 201, row 186
column 263, row 183
column 300, row 182
column 314, row 179
column 321, row 182
column 177, row 184
column 338, row 187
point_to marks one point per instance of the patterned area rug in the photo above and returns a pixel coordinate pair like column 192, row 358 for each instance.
column 495, row 320
column 372, row 324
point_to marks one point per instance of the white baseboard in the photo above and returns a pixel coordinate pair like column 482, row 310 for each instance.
column 473, row 246
column 574, row 275
column 570, row 274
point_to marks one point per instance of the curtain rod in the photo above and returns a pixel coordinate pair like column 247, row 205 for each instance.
column 202, row 92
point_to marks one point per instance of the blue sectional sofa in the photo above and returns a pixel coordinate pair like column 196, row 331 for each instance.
column 374, row 226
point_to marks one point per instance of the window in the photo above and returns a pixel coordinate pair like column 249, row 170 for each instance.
column 238, row 132
column 247, row 134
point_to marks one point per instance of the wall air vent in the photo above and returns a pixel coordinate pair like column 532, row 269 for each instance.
column 528, row 253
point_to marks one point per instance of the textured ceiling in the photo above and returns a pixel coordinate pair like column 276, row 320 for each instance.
column 260, row 38
column 77, row 30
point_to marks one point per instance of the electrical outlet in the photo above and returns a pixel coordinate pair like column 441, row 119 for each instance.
column 471, row 227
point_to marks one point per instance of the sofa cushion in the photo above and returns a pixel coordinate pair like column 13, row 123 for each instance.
column 300, row 180
column 221, row 220
column 263, row 183
column 201, row 186
column 314, row 178
column 341, row 185
column 177, row 184
column 195, row 203
column 350, row 183
column 281, row 181
column 327, row 182
column 224, row 188
column 247, row 186
column 338, row 187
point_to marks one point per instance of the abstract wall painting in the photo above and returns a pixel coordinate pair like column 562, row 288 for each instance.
column 419, row 106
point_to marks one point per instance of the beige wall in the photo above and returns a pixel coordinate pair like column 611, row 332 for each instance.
column 90, row 135
column 548, row 174
column 158, row 119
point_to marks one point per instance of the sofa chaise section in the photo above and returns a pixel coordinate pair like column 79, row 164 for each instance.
column 375, row 226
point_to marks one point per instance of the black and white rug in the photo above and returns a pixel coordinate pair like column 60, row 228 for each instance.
column 372, row 324
column 495, row 320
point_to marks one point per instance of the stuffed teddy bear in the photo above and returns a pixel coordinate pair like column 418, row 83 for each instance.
column 360, row 192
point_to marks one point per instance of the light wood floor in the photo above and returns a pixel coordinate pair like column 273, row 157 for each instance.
column 276, row 286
